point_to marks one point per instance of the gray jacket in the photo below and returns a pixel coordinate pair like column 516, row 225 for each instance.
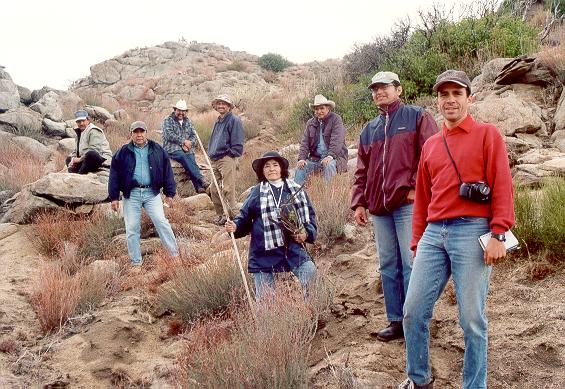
column 92, row 138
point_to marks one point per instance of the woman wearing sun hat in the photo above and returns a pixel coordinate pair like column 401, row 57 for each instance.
column 280, row 218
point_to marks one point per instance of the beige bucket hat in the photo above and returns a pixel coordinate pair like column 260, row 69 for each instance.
column 224, row 98
column 321, row 100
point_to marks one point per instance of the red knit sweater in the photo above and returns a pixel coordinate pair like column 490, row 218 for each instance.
column 478, row 150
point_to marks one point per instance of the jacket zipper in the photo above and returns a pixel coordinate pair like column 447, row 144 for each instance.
column 384, row 158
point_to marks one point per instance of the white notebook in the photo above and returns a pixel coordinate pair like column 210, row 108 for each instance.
column 510, row 244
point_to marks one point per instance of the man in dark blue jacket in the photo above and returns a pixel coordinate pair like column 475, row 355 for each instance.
column 224, row 148
column 139, row 170
column 385, row 181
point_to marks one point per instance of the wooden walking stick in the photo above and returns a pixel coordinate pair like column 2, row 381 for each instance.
column 227, row 215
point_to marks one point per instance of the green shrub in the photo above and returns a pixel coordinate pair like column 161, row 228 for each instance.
column 274, row 62
column 540, row 219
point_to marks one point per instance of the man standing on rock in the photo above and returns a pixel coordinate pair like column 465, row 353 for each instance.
column 224, row 148
column 387, row 162
column 463, row 191
column 179, row 140
column 139, row 170
column 323, row 146
column 92, row 151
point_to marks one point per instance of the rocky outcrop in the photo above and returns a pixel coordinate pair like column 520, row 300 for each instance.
column 9, row 96
column 33, row 147
column 74, row 193
column 559, row 117
column 48, row 107
column 20, row 120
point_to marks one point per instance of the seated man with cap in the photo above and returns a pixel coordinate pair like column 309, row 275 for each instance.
column 179, row 140
column 139, row 170
column 92, row 151
column 323, row 145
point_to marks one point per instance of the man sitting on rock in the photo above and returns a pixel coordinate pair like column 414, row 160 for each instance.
column 139, row 170
column 179, row 140
column 93, row 150
column 323, row 145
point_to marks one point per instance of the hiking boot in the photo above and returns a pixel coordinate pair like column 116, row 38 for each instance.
column 200, row 189
column 221, row 220
column 409, row 384
column 392, row 332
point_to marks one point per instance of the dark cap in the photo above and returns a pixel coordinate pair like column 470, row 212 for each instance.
column 456, row 76
column 138, row 124
column 260, row 162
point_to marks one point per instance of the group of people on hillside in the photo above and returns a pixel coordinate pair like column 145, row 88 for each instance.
column 430, row 192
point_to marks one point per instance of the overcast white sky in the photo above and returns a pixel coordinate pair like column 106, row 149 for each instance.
column 51, row 42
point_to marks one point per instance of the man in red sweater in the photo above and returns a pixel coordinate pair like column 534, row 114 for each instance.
column 452, row 208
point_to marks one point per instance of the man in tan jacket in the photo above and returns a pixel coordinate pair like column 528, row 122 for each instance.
column 92, row 151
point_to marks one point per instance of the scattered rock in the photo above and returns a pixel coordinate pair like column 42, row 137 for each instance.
column 48, row 106
column 67, row 145
column 33, row 147
column 52, row 128
column 198, row 202
column 9, row 96
column 558, row 140
column 7, row 229
column 352, row 153
column 25, row 95
column 20, row 121
column 559, row 117
column 72, row 188
column 98, row 114
column 537, row 156
column 526, row 70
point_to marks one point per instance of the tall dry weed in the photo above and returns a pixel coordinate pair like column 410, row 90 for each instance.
column 331, row 204
column 22, row 168
column 55, row 296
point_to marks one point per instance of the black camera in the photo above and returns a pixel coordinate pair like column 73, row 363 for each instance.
column 478, row 192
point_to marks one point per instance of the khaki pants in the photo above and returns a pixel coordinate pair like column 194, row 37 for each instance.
column 225, row 170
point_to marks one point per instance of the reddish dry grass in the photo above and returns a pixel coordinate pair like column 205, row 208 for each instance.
column 8, row 346
column 55, row 297
column 23, row 168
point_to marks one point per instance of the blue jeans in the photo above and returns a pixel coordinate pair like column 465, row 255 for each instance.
column 328, row 172
column 132, row 216
column 449, row 247
column 392, row 236
column 188, row 162
column 265, row 282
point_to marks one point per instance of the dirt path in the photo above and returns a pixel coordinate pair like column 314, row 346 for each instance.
column 526, row 327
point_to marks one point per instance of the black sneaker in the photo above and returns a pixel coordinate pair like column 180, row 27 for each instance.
column 200, row 189
column 392, row 332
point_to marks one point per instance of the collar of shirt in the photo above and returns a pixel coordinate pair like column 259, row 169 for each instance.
column 466, row 125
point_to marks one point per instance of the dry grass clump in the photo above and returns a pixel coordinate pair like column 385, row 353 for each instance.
column 203, row 291
column 331, row 203
column 22, row 167
column 268, row 348
column 554, row 57
column 8, row 346
column 91, row 235
column 55, row 296
column 95, row 286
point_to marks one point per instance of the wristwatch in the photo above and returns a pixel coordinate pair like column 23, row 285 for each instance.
column 499, row 237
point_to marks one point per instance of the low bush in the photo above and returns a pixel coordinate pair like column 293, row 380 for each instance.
column 265, row 349
column 238, row 66
column 274, row 62
column 205, row 290
column 94, row 286
column 331, row 204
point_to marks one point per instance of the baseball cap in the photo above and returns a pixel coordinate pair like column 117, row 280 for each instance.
column 456, row 76
column 384, row 78
column 81, row 115
column 138, row 124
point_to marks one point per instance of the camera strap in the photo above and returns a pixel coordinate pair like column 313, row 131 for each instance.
column 450, row 157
